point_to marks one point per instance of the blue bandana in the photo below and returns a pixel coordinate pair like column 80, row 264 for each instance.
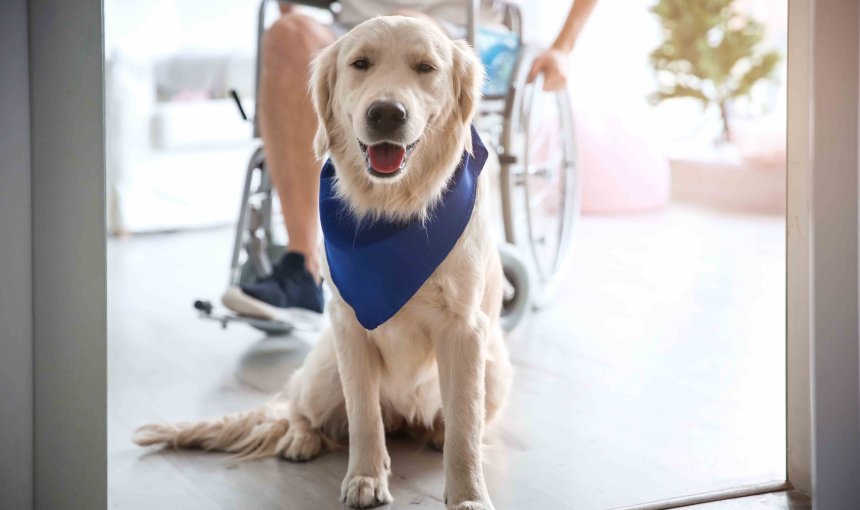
column 378, row 266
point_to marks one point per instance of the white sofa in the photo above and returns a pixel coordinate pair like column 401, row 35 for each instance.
column 177, row 147
column 174, row 164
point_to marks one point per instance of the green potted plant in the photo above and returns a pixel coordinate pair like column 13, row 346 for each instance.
column 710, row 52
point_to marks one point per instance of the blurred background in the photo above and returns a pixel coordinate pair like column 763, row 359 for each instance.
column 665, row 343
column 171, row 65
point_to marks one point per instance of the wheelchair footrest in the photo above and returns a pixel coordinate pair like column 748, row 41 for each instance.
column 274, row 327
column 272, row 320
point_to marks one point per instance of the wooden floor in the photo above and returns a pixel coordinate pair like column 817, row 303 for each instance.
column 657, row 373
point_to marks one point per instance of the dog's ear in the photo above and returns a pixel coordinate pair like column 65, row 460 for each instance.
column 323, row 76
column 468, row 81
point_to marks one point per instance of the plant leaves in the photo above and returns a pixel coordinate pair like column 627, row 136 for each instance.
column 760, row 70
column 679, row 91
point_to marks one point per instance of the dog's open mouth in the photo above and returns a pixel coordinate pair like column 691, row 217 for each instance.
column 386, row 159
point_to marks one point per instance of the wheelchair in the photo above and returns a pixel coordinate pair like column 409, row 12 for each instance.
column 530, row 131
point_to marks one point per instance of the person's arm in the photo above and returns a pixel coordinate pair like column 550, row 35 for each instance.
column 552, row 63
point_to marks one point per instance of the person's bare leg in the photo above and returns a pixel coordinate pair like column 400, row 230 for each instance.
column 288, row 123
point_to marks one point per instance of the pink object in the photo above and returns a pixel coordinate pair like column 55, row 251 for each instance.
column 621, row 166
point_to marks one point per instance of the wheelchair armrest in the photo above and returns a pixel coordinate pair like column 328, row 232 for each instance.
column 512, row 11
column 516, row 5
column 319, row 4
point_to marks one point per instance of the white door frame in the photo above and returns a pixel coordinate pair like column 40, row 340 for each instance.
column 69, row 268
column 798, row 162
column 832, row 162
column 66, row 60
column 823, row 378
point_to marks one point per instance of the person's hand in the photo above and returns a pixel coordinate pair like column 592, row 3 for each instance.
column 552, row 63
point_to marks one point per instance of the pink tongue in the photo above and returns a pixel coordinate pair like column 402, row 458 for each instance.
column 386, row 157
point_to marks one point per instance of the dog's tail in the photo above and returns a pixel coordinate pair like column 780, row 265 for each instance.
column 249, row 435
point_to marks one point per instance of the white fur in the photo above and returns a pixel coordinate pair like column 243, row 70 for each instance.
column 439, row 367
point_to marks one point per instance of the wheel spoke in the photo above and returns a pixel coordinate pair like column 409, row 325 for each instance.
column 544, row 168
column 538, row 199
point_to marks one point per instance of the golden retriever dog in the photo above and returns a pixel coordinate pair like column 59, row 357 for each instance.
column 439, row 367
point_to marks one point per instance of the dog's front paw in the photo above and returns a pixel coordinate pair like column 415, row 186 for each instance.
column 472, row 505
column 468, row 500
column 365, row 491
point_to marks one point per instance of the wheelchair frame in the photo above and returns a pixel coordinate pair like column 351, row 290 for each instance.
column 527, row 282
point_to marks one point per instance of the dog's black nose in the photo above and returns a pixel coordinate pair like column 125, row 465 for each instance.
column 386, row 117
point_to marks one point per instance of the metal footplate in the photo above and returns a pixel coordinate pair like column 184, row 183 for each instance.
column 206, row 310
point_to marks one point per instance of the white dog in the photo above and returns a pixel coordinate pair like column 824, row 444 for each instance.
column 395, row 99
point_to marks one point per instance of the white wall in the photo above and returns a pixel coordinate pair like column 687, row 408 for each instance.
column 16, row 348
column 155, row 28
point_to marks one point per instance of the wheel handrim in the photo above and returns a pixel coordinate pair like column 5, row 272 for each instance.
column 547, row 180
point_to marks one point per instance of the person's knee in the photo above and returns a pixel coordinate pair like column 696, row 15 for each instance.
column 294, row 39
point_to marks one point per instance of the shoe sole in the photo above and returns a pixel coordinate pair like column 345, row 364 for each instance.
column 243, row 304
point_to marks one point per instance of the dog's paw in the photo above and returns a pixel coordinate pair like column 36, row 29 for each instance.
column 468, row 502
column 472, row 505
column 302, row 445
column 437, row 439
column 365, row 491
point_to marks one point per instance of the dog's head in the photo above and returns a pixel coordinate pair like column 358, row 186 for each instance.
column 395, row 98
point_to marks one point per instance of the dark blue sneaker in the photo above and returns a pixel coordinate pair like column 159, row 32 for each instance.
column 290, row 285
column 289, row 294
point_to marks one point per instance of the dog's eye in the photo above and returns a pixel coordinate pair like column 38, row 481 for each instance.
column 362, row 64
column 424, row 67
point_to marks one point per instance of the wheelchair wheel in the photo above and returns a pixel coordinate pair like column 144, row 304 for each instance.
column 250, row 272
column 516, row 293
column 540, row 184
column 254, row 227
column 254, row 246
